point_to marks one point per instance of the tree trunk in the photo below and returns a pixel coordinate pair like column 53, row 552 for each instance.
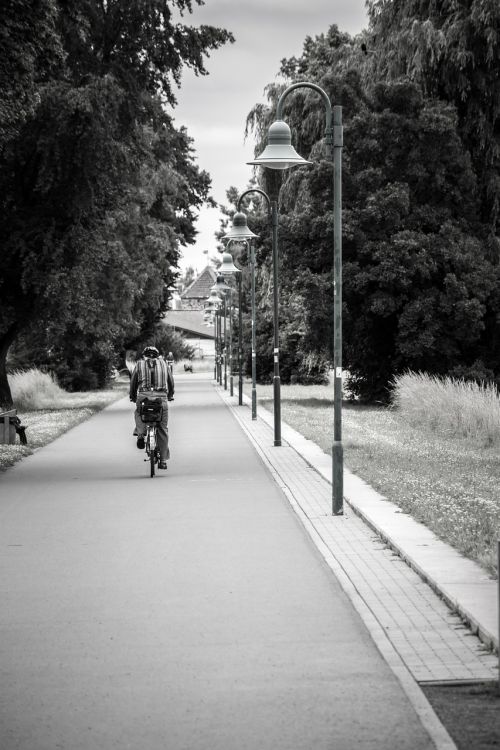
column 5, row 343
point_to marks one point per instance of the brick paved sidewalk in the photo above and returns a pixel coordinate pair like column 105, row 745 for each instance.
column 431, row 640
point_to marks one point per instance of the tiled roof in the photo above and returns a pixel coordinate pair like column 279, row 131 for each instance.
column 200, row 287
column 190, row 321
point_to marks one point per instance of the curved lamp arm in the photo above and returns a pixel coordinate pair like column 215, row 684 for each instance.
column 254, row 190
column 306, row 84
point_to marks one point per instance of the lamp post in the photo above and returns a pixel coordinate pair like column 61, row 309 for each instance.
column 208, row 321
column 219, row 345
column 234, row 270
column 216, row 339
column 224, row 346
column 223, row 289
column 240, row 231
column 280, row 154
column 216, row 301
column 250, row 246
column 213, row 305
column 231, row 384
column 228, row 269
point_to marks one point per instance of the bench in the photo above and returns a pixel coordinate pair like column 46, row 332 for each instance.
column 8, row 427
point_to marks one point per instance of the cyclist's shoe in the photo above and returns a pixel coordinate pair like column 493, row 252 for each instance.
column 162, row 465
column 140, row 443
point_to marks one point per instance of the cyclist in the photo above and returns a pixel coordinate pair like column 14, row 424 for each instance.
column 152, row 378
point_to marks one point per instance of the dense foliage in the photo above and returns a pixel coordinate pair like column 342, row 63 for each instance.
column 420, row 256
column 97, row 187
column 451, row 49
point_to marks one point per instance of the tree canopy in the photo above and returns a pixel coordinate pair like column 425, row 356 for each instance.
column 451, row 49
column 98, row 187
column 420, row 263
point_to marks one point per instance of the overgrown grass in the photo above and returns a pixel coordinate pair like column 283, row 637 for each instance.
column 448, row 482
column 449, row 406
column 48, row 411
column 33, row 390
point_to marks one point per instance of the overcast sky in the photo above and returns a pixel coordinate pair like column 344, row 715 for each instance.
column 214, row 107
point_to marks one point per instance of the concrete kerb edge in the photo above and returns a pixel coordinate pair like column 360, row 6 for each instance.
column 485, row 635
column 472, row 623
column 414, row 693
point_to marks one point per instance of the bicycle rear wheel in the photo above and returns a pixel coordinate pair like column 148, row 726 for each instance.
column 151, row 448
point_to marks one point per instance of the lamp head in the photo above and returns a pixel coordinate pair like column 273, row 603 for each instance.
column 227, row 267
column 214, row 298
column 239, row 229
column 221, row 286
column 279, row 152
column 237, row 245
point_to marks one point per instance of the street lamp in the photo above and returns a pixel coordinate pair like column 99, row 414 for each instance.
column 213, row 305
column 239, row 275
column 228, row 269
column 240, row 231
column 254, row 348
column 211, row 308
column 231, row 386
column 280, row 154
column 222, row 289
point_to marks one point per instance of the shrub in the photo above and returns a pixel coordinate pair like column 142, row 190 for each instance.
column 34, row 390
column 449, row 406
column 166, row 340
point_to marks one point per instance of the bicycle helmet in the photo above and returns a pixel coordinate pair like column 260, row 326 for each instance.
column 151, row 352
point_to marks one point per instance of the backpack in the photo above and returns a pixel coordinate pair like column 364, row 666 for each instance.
column 151, row 410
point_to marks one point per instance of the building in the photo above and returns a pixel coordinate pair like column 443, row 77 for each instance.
column 195, row 295
column 187, row 315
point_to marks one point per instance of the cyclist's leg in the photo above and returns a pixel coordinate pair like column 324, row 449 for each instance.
column 163, row 433
column 139, row 424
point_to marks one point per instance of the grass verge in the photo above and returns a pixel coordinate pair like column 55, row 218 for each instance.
column 448, row 483
column 469, row 712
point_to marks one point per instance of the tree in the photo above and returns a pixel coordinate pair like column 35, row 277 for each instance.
column 97, row 186
column 187, row 278
column 419, row 279
column 30, row 50
column 452, row 50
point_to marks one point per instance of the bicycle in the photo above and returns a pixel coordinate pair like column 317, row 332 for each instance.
column 152, row 450
column 151, row 414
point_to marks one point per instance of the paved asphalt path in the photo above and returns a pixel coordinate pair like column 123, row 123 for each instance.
column 185, row 612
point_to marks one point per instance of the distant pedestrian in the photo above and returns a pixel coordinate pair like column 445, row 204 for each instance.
column 170, row 362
